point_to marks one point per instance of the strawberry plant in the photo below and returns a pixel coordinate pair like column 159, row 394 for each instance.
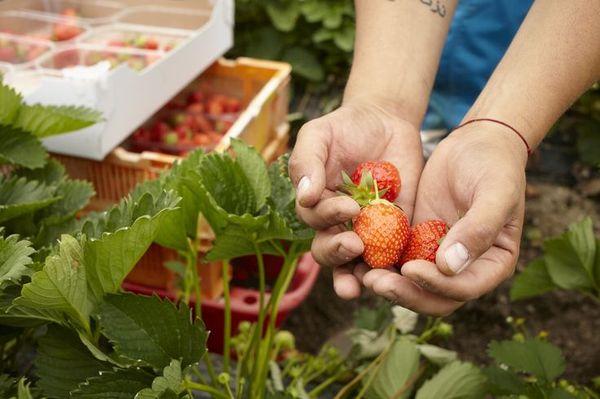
column 391, row 360
column 570, row 261
column 530, row 367
column 316, row 37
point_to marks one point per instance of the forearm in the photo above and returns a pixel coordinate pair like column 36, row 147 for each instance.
column 553, row 59
column 397, row 51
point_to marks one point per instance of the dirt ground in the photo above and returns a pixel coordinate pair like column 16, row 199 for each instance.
column 560, row 192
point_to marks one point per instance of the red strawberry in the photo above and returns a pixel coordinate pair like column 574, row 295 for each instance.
column 8, row 54
column 424, row 241
column 151, row 44
column 65, row 31
column 385, row 174
column 384, row 230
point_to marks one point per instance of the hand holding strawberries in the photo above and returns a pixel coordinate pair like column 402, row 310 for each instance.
column 355, row 133
column 475, row 180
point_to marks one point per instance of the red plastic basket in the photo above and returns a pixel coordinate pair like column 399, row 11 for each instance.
column 244, row 302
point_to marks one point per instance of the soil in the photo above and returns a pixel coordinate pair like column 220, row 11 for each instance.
column 557, row 185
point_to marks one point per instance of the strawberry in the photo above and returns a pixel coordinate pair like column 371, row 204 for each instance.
column 385, row 174
column 384, row 230
column 424, row 241
column 8, row 54
column 65, row 31
column 151, row 44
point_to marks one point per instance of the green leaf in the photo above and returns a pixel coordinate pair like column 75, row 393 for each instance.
column 6, row 384
column 405, row 320
column 581, row 237
column 265, row 43
column 457, row 380
column 63, row 362
column 283, row 204
column 169, row 383
column 15, row 256
column 559, row 393
column 569, row 258
column 373, row 318
column 255, row 169
column 533, row 356
column 283, row 14
column 119, row 238
column 304, row 63
column 61, row 285
column 322, row 35
column 51, row 173
column 130, row 322
column 20, row 197
column 394, row 378
column 533, row 281
column 121, row 384
column 10, row 104
column 20, row 316
column 20, row 148
column 503, row 382
column 436, row 355
column 344, row 38
column 23, row 391
column 588, row 143
column 45, row 121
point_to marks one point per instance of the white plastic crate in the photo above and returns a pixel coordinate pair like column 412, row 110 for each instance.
column 136, row 82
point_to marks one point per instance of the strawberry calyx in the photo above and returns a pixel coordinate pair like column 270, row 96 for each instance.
column 365, row 192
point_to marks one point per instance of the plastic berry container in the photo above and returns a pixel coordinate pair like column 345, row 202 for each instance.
column 21, row 52
column 40, row 27
column 94, row 12
column 134, row 37
column 87, row 56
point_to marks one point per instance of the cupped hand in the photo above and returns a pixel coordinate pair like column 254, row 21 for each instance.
column 339, row 141
column 475, row 181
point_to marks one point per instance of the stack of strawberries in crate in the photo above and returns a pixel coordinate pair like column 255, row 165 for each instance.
column 197, row 121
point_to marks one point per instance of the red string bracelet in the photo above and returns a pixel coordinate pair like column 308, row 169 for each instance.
column 500, row 123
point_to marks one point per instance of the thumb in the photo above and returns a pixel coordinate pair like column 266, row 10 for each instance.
column 476, row 232
column 307, row 163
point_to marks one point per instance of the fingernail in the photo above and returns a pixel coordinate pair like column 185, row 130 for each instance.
column 457, row 257
column 303, row 186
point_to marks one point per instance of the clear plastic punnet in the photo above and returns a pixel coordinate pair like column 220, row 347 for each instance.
column 39, row 27
column 94, row 12
column 20, row 51
column 137, row 37
column 83, row 56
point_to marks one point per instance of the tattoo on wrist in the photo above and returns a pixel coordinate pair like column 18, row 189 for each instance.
column 434, row 6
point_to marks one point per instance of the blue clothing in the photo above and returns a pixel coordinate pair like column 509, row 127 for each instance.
column 478, row 38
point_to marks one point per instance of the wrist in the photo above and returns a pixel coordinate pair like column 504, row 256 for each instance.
column 392, row 107
column 496, row 136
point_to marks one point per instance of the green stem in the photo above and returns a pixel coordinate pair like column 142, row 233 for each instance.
column 281, row 286
column 375, row 364
column 198, row 374
column 204, row 388
column 258, row 329
column 192, row 260
column 227, row 327
column 211, row 369
column 325, row 384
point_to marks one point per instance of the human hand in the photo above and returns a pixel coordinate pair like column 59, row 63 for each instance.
column 475, row 181
column 339, row 141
